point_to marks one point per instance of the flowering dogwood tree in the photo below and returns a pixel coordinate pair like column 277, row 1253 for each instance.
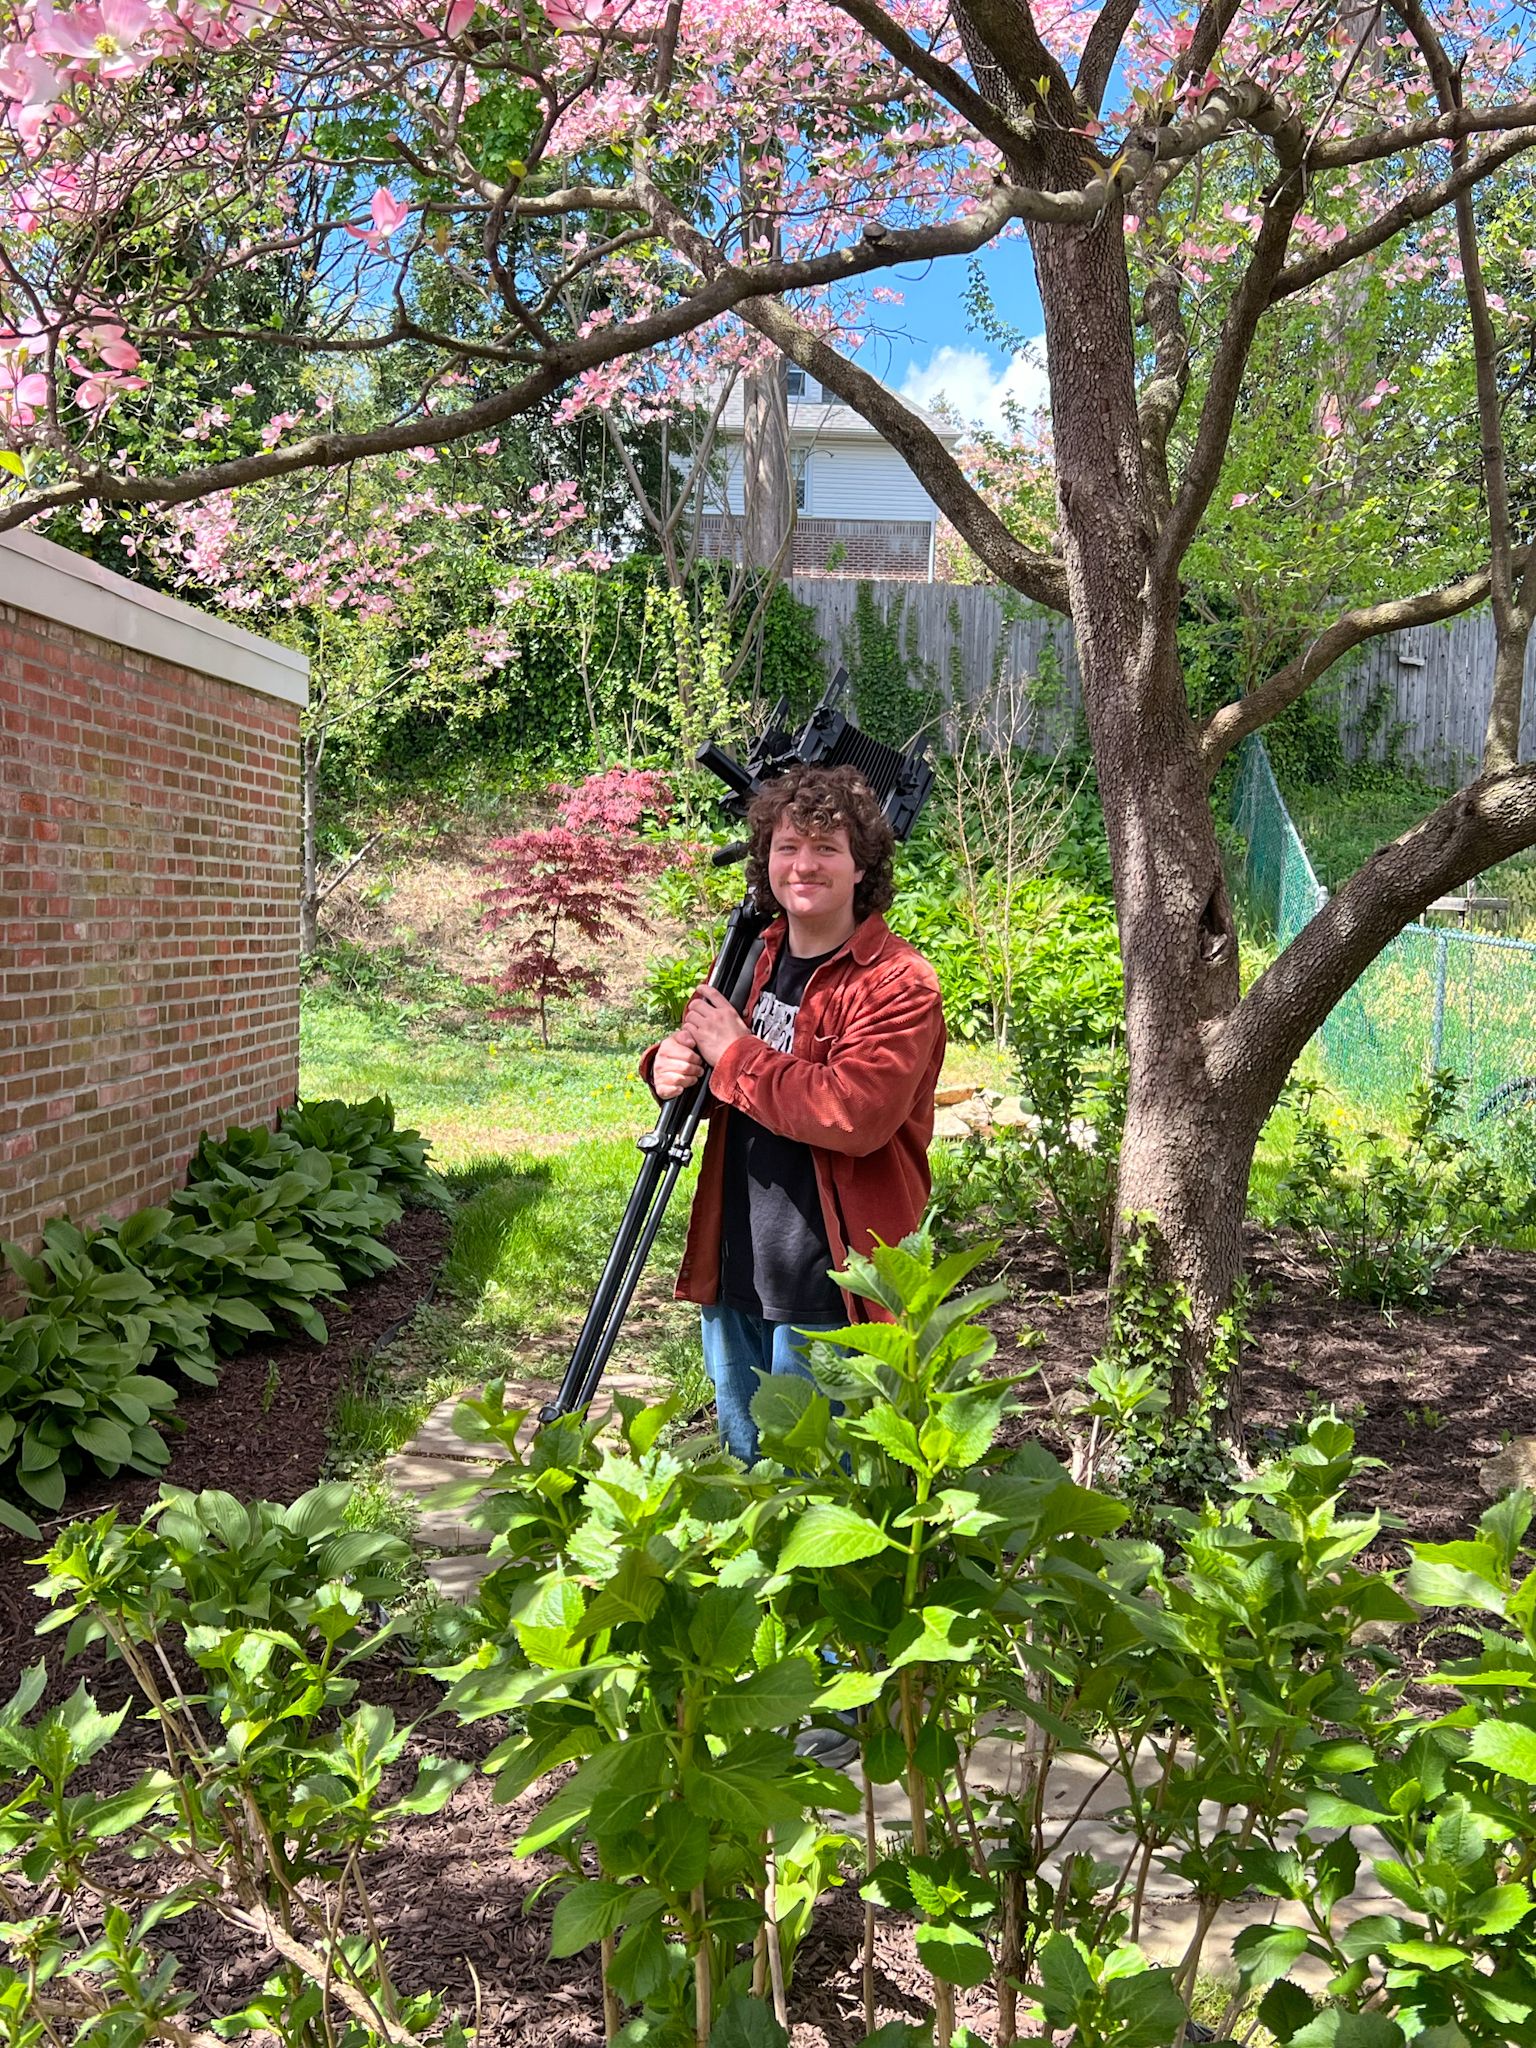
column 348, row 567
column 512, row 202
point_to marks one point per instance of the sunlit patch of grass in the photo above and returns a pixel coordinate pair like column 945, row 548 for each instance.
column 373, row 1505
column 530, row 1247
column 1341, row 826
column 676, row 1358
column 473, row 1091
column 390, row 1397
column 1351, row 1123
column 979, row 1066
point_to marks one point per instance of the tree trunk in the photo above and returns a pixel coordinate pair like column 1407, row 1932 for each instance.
column 768, row 506
column 1185, row 1163
column 1187, row 1150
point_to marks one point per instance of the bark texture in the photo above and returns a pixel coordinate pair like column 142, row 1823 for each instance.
column 1185, row 1157
column 768, row 503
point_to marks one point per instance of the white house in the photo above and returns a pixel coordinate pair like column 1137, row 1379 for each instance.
column 859, row 510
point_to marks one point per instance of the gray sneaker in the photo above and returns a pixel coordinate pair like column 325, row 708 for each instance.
column 835, row 1748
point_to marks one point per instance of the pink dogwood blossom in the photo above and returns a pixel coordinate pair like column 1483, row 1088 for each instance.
column 388, row 214
column 112, row 36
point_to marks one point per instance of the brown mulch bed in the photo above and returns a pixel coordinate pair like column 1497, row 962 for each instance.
column 1433, row 1394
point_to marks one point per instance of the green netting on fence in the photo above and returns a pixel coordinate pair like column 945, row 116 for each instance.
column 1437, row 997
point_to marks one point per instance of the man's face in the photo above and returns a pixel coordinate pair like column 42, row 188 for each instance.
column 812, row 874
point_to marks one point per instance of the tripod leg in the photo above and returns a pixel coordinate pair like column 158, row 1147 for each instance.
column 642, row 1199
column 668, row 1149
column 603, row 1349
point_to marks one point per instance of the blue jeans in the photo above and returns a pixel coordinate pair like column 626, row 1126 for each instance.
column 738, row 1349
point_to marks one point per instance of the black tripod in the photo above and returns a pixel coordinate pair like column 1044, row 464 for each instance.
column 901, row 781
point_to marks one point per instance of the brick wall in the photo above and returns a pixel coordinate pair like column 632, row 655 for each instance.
column 148, row 914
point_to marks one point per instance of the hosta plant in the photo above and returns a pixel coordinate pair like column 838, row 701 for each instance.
column 74, row 1398
column 365, row 1136
column 270, row 1224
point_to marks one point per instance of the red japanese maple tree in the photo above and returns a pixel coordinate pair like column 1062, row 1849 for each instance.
column 578, row 879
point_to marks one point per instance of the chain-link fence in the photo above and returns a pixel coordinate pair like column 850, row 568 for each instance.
column 1436, row 997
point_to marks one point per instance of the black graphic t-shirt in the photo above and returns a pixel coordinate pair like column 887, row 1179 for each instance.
column 774, row 1255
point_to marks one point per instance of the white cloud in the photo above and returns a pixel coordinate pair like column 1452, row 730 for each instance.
column 973, row 387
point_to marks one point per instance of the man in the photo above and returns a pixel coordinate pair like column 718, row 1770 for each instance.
column 822, row 1103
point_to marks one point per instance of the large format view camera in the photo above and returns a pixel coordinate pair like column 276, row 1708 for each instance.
column 901, row 781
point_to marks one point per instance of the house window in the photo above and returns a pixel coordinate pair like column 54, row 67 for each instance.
column 795, row 382
column 799, row 470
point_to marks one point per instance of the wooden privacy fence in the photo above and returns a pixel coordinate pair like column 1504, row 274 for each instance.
column 1423, row 694
column 966, row 637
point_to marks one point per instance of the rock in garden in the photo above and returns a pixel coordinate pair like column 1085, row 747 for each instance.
column 948, row 1123
column 1514, row 1466
column 1009, row 1113
column 951, row 1093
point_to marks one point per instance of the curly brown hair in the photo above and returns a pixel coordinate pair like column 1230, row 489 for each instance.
column 823, row 800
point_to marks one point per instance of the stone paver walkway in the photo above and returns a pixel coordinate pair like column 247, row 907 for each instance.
column 438, row 1457
column 1081, row 1805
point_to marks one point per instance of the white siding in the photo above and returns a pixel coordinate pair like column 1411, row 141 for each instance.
column 863, row 480
column 849, row 480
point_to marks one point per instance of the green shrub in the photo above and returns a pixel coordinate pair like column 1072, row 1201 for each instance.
column 579, row 650
column 273, row 1769
column 309, row 1227
column 364, row 1134
column 74, row 1398
column 983, row 1184
column 114, row 1280
column 1387, row 1225
column 659, row 1620
column 1070, row 1056
column 1158, row 1430
column 1064, row 940
column 270, row 1224
column 927, row 912
column 670, row 982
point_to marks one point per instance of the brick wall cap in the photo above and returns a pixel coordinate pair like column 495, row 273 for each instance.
column 38, row 576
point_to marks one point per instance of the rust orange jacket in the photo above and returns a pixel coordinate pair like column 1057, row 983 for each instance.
column 857, row 1087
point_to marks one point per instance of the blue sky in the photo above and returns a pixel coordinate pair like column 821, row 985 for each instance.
column 924, row 347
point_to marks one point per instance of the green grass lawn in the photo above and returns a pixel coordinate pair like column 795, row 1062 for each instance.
column 475, row 1093
column 539, row 1146
column 1342, row 825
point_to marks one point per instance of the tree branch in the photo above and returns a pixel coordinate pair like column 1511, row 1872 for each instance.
column 1488, row 821
column 1157, row 156
column 725, row 287
column 1416, row 206
column 1013, row 143
column 1443, row 127
column 1210, row 33
column 1162, row 310
column 567, row 199
column 1038, row 576
column 1232, row 724
column 1001, row 38
column 1225, row 383
column 1096, row 65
